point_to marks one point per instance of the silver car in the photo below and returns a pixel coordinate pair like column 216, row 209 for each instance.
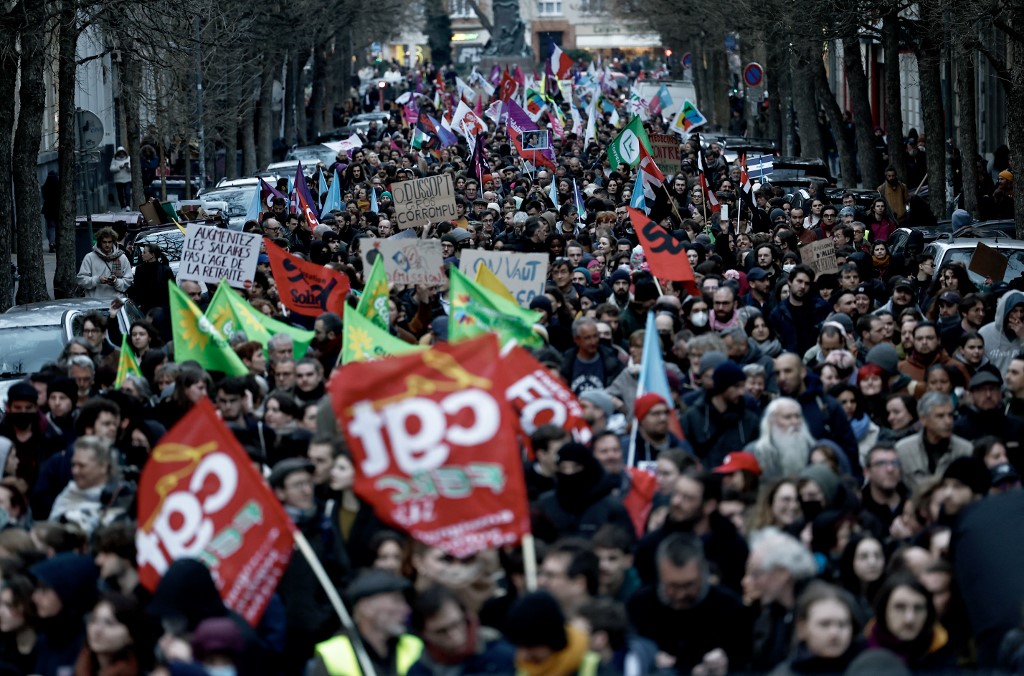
column 961, row 250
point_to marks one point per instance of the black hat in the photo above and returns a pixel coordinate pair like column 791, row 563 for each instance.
column 64, row 385
column 902, row 283
column 645, row 289
column 283, row 469
column 985, row 377
column 373, row 582
column 757, row 274
column 536, row 620
column 25, row 391
column 1004, row 473
column 971, row 472
column 574, row 452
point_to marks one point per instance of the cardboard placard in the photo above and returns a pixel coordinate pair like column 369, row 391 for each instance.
column 666, row 152
column 988, row 262
column 210, row 254
column 407, row 261
column 821, row 256
column 523, row 274
column 424, row 201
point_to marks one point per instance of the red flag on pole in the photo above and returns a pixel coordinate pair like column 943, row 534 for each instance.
column 305, row 200
column 710, row 196
column 201, row 498
column 666, row 254
column 433, row 441
column 306, row 288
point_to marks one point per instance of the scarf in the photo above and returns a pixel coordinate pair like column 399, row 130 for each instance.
column 860, row 426
column 563, row 663
column 770, row 348
column 881, row 262
column 113, row 260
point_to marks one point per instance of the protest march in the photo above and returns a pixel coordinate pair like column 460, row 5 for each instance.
column 532, row 379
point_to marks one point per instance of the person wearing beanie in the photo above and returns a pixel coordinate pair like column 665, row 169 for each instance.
column 720, row 422
column 582, row 499
column 28, row 431
column 620, row 282
column 966, row 480
column 546, row 645
column 62, row 402
column 653, row 432
column 65, row 591
column 999, row 204
column 598, row 408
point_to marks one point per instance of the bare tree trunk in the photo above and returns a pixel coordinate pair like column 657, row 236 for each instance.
column 893, row 92
column 775, row 78
column 301, row 121
column 1015, row 112
column 265, row 132
column 247, row 128
column 231, row 141
column 847, row 164
column 929, row 69
column 289, row 100
column 857, row 81
column 967, row 132
column 65, row 276
column 316, row 98
column 130, row 85
column 27, row 139
column 803, row 100
column 8, row 78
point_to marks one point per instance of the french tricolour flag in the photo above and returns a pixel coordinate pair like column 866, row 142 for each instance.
column 561, row 64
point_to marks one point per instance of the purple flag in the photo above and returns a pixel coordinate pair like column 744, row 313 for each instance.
column 519, row 122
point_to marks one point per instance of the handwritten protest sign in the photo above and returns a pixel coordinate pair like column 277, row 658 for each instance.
column 523, row 274
column 407, row 261
column 666, row 152
column 821, row 256
column 211, row 254
column 988, row 262
column 423, row 201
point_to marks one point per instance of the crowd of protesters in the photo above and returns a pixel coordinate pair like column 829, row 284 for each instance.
column 834, row 487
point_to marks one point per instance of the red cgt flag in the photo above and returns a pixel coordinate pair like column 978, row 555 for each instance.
column 201, row 498
column 666, row 254
column 434, row 445
column 305, row 288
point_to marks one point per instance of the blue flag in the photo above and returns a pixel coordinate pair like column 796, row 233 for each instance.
column 638, row 200
column 333, row 200
column 580, row 209
column 253, row 213
column 373, row 200
column 652, row 367
column 553, row 194
column 322, row 186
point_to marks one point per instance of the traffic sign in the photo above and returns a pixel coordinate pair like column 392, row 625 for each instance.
column 688, row 60
column 753, row 74
column 90, row 130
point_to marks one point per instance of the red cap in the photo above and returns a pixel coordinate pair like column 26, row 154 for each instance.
column 643, row 405
column 737, row 461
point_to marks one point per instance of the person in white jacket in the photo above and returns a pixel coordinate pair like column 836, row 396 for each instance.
column 121, row 168
column 106, row 271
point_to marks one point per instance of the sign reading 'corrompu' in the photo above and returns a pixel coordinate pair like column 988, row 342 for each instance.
column 423, row 201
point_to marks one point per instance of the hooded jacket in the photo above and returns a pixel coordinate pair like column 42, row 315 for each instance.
column 73, row 578
column 713, row 433
column 580, row 504
column 1001, row 345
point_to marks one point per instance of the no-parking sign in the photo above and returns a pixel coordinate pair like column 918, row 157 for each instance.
column 753, row 74
column 688, row 60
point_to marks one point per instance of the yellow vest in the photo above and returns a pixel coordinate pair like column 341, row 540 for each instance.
column 339, row 657
column 588, row 667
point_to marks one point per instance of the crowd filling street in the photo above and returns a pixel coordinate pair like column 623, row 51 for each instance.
column 828, row 482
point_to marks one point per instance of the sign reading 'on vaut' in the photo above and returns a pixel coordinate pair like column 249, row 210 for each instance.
column 423, row 201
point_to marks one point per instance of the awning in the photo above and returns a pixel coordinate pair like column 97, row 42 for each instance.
column 618, row 41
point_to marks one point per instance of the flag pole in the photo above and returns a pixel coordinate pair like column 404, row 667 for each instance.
column 632, row 445
column 332, row 595
column 530, row 562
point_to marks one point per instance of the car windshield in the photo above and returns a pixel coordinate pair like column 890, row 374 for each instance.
column 312, row 155
column 1014, row 267
column 26, row 349
column 237, row 199
column 169, row 241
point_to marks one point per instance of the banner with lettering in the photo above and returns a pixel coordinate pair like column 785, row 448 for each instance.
column 433, row 441
column 306, row 288
column 200, row 498
column 523, row 274
column 665, row 254
column 424, row 201
column 539, row 397
column 210, row 254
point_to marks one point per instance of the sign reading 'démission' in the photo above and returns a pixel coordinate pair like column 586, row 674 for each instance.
column 423, row 201
column 210, row 254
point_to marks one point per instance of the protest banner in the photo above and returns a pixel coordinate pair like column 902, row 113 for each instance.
column 306, row 288
column 540, row 398
column 424, row 200
column 210, row 254
column 665, row 254
column 666, row 152
column 821, row 256
column 433, row 441
column 988, row 262
column 407, row 261
column 200, row 498
column 523, row 274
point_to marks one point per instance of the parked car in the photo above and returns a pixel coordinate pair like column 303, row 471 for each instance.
column 961, row 249
column 898, row 239
column 34, row 334
column 232, row 199
column 169, row 238
column 797, row 172
column 734, row 146
column 1004, row 228
column 310, row 155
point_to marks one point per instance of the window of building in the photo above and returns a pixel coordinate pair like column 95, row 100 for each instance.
column 549, row 7
column 460, row 9
column 593, row 6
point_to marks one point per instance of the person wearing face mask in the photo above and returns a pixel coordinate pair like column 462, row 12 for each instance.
column 695, row 312
column 25, row 426
column 581, row 501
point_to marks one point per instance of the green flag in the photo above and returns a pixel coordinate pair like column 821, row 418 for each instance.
column 127, row 364
column 375, row 303
column 362, row 340
column 626, row 146
column 475, row 311
column 197, row 339
column 229, row 312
